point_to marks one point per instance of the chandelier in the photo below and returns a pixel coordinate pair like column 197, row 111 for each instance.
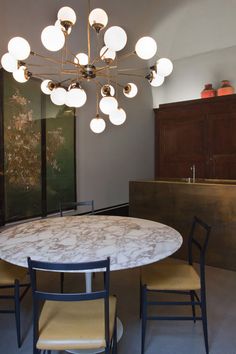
column 75, row 69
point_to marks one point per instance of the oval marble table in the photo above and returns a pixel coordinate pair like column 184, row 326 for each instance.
column 129, row 242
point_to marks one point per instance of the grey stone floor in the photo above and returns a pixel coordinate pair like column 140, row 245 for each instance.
column 162, row 337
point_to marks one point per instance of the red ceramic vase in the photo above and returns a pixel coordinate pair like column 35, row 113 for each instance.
column 208, row 91
column 225, row 89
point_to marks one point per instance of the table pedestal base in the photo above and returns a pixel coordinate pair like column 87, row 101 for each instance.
column 93, row 351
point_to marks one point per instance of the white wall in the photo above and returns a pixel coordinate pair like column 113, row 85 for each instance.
column 106, row 162
column 190, row 74
column 200, row 38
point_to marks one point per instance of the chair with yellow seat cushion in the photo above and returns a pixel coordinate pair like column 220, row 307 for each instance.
column 13, row 278
column 70, row 321
column 178, row 278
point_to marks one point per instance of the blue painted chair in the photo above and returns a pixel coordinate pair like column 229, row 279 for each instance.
column 73, row 320
column 66, row 208
column 14, row 279
column 178, row 278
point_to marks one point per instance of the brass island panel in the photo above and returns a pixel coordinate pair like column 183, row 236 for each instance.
column 175, row 202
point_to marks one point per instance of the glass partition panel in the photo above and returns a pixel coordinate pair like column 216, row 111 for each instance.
column 22, row 148
column 60, row 155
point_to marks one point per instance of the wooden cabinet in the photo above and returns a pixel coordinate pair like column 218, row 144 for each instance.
column 198, row 132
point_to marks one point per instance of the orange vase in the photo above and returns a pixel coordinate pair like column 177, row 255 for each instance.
column 225, row 89
column 208, row 91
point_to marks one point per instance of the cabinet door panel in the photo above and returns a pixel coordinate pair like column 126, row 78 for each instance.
column 222, row 143
column 182, row 144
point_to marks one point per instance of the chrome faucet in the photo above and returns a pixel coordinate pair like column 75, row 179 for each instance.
column 193, row 169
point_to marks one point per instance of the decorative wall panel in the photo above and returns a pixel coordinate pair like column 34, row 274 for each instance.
column 60, row 159
column 37, row 152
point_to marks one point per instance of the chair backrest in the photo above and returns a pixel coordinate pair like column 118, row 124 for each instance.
column 40, row 295
column 198, row 239
column 73, row 205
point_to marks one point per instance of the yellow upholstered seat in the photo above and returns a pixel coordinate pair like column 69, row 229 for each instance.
column 74, row 325
column 170, row 276
column 9, row 272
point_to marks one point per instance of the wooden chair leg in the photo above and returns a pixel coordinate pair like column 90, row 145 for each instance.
column 17, row 312
column 193, row 306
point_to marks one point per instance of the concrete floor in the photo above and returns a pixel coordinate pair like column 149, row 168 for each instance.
column 162, row 337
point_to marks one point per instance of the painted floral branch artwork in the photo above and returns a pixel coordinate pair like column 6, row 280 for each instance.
column 23, row 145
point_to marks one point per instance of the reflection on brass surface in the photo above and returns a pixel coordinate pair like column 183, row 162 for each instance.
column 175, row 202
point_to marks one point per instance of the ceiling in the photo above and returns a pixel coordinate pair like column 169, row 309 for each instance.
column 181, row 28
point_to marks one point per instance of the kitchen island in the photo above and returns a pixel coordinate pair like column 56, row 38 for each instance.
column 175, row 201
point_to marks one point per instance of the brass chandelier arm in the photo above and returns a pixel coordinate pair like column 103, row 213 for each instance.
column 130, row 74
column 102, row 68
column 88, row 33
column 46, row 58
column 97, row 58
column 117, row 84
column 127, row 55
column 132, row 69
column 71, row 62
column 97, row 104
column 46, row 74
column 97, row 82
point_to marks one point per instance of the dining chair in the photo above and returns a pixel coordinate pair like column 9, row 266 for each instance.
column 66, row 207
column 12, row 279
column 73, row 320
column 178, row 278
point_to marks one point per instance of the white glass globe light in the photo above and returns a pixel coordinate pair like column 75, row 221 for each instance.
column 106, row 88
column 164, row 66
column 98, row 17
column 58, row 96
column 157, row 79
column 76, row 97
column 108, row 104
column 19, row 48
column 9, row 63
column 115, row 38
column 67, row 14
column 97, row 125
column 146, row 48
column 53, row 38
column 107, row 53
column 130, row 90
column 44, row 87
column 81, row 58
column 20, row 75
column 117, row 117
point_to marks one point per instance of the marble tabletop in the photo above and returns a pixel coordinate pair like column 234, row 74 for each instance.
column 130, row 242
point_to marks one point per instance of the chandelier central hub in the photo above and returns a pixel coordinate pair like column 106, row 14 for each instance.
column 88, row 71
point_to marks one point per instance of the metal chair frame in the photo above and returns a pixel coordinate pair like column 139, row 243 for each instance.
column 194, row 298
column 68, row 205
column 41, row 296
column 17, row 297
